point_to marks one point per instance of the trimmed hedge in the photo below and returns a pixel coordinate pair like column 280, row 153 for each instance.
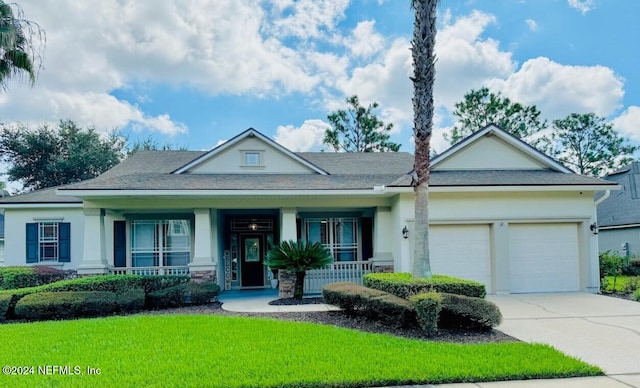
column 65, row 305
column 427, row 306
column 202, row 293
column 371, row 303
column 633, row 267
column 404, row 285
column 157, row 283
column 636, row 295
column 5, row 301
column 21, row 277
column 130, row 300
column 460, row 311
column 167, row 298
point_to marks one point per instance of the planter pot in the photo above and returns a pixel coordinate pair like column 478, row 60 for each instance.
column 274, row 283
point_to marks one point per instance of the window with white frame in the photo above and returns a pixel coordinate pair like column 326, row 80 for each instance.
column 339, row 235
column 160, row 243
column 48, row 241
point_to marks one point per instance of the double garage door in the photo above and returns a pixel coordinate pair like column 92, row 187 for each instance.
column 541, row 257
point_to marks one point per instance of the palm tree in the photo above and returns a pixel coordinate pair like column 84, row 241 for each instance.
column 298, row 257
column 422, row 50
column 17, row 52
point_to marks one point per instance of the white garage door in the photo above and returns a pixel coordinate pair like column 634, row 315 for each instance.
column 544, row 257
column 462, row 251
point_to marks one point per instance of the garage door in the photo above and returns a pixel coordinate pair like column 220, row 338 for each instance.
column 543, row 257
column 462, row 251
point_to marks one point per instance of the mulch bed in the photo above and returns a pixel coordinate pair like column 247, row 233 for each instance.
column 340, row 319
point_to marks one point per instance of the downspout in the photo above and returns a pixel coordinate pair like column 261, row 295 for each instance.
column 606, row 195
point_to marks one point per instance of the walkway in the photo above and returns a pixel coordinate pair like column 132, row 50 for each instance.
column 257, row 301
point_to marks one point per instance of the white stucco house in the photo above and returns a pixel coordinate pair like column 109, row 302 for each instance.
column 501, row 212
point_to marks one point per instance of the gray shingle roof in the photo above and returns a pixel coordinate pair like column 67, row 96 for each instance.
column 41, row 196
column 361, row 162
column 623, row 206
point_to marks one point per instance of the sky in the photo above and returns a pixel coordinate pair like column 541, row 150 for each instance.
column 196, row 73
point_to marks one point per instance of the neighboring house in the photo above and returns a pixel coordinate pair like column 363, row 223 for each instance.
column 619, row 214
column 501, row 212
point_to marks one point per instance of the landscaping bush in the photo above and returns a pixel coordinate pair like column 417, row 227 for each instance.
column 404, row 285
column 633, row 267
column 371, row 303
column 611, row 264
column 202, row 293
column 21, row 277
column 460, row 311
column 167, row 298
column 5, row 301
column 427, row 306
column 130, row 300
column 631, row 284
column 636, row 295
column 157, row 283
column 65, row 305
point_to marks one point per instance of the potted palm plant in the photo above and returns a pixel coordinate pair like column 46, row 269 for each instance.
column 298, row 257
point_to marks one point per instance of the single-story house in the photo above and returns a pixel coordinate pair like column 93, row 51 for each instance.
column 619, row 214
column 501, row 212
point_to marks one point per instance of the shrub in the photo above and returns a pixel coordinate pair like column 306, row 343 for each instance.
column 202, row 293
column 460, row 311
column 64, row 305
column 631, row 284
column 130, row 300
column 636, row 295
column 167, row 298
column 110, row 283
column 22, row 277
column 633, row 267
column 611, row 264
column 404, row 285
column 157, row 283
column 5, row 301
column 371, row 303
column 427, row 306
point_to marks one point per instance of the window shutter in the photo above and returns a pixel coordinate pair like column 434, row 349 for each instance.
column 119, row 244
column 64, row 242
column 32, row 242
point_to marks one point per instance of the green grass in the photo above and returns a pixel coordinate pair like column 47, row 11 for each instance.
column 205, row 350
column 621, row 283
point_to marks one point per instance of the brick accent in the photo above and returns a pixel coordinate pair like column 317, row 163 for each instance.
column 203, row 276
column 287, row 282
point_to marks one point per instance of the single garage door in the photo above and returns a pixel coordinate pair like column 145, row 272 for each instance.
column 462, row 251
column 544, row 257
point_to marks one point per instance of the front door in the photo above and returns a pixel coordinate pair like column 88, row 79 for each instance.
column 252, row 260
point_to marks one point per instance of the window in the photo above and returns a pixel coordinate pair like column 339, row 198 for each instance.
column 339, row 235
column 48, row 242
column 160, row 243
column 252, row 159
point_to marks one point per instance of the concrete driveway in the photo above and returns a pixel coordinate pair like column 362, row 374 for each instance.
column 597, row 329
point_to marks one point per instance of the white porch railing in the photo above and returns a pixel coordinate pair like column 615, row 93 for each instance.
column 339, row 271
column 149, row 271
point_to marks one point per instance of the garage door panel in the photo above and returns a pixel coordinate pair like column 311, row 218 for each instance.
column 543, row 257
column 462, row 251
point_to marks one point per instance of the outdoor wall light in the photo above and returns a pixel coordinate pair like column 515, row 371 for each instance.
column 405, row 232
column 594, row 228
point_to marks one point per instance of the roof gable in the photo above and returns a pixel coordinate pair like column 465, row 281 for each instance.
column 492, row 148
column 250, row 153
column 622, row 207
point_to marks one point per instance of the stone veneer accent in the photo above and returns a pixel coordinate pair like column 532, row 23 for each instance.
column 383, row 268
column 287, row 282
column 203, row 276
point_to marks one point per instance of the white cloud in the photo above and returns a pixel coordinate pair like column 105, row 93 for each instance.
column 558, row 90
column 307, row 137
column 583, row 6
column 628, row 123
column 533, row 26
column 307, row 18
column 365, row 41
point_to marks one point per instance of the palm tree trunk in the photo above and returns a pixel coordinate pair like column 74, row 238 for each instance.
column 298, row 288
column 424, row 37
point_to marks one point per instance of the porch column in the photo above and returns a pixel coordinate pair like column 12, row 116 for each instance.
column 383, row 236
column 203, row 266
column 288, row 229
column 94, row 258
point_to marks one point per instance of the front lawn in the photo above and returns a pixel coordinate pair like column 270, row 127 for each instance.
column 218, row 351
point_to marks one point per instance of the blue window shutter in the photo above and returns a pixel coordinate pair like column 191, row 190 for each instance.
column 32, row 242
column 119, row 243
column 64, row 242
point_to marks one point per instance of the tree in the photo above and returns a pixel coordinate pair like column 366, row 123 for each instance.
column 298, row 257
column 47, row 157
column 424, row 70
column 589, row 144
column 358, row 129
column 19, row 55
column 483, row 107
column 151, row 144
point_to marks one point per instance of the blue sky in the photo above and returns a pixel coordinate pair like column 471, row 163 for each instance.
column 196, row 73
